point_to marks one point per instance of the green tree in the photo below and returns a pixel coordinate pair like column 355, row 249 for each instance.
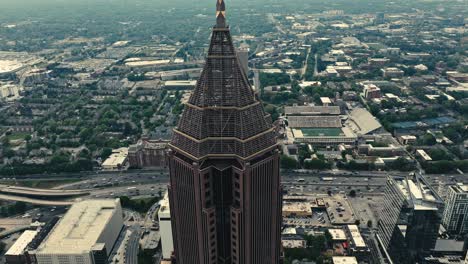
column 2, row 247
column 317, row 164
column 105, row 153
column 20, row 207
column 429, row 140
column 288, row 162
column 6, row 142
column 439, row 154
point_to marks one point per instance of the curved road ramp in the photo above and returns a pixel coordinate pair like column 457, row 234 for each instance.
column 39, row 196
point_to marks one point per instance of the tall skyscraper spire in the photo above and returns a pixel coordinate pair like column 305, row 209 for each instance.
column 224, row 190
column 220, row 14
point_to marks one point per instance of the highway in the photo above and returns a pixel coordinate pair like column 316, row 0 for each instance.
column 131, row 252
column 40, row 193
column 154, row 183
column 306, row 64
column 49, row 202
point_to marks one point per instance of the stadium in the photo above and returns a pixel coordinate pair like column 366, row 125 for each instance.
column 326, row 130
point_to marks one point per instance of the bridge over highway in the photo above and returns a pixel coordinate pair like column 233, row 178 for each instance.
column 14, row 198
column 40, row 193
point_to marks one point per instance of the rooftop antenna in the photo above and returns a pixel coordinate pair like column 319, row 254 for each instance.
column 220, row 14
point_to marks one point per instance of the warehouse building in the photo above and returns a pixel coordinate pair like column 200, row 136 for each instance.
column 15, row 255
column 85, row 235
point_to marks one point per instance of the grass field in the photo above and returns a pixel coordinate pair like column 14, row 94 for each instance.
column 328, row 132
column 16, row 136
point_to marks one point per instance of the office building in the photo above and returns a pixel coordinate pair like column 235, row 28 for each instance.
column 357, row 247
column 392, row 72
column 422, row 155
column 371, row 91
column 224, row 190
column 409, row 220
column 407, row 139
column 147, row 153
column 456, row 209
column 118, row 160
column 165, row 228
column 85, row 235
column 379, row 18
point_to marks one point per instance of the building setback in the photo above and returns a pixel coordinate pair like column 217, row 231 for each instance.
column 224, row 190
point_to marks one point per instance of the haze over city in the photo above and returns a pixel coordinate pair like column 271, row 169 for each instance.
column 233, row 132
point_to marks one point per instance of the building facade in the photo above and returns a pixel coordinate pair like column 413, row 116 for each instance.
column 371, row 91
column 410, row 219
column 357, row 246
column 147, row 153
column 456, row 211
column 224, row 190
column 16, row 253
column 85, row 235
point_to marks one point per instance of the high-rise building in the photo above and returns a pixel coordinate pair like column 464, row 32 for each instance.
column 147, row 153
column 224, row 190
column 456, row 209
column 243, row 56
column 410, row 219
column 379, row 18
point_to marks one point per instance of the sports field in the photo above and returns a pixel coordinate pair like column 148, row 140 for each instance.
column 327, row 132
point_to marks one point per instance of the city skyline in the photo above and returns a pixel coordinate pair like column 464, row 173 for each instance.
column 233, row 132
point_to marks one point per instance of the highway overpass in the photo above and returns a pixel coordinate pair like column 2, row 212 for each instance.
column 40, row 193
column 14, row 198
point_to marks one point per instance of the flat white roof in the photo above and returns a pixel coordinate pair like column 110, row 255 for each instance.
column 337, row 234
column 79, row 230
column 164, row 210
column 356, row 236
column 460, row 188
column 10, row 66
column 142, row 63
column 20, row 245
column 179, row 82
column 118, row 157
column 325, row 100
column 423, row 154
column 345, row 260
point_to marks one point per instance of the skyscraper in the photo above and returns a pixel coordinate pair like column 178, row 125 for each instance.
column 456, row 211
column 224, row 190
column 410, row 219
